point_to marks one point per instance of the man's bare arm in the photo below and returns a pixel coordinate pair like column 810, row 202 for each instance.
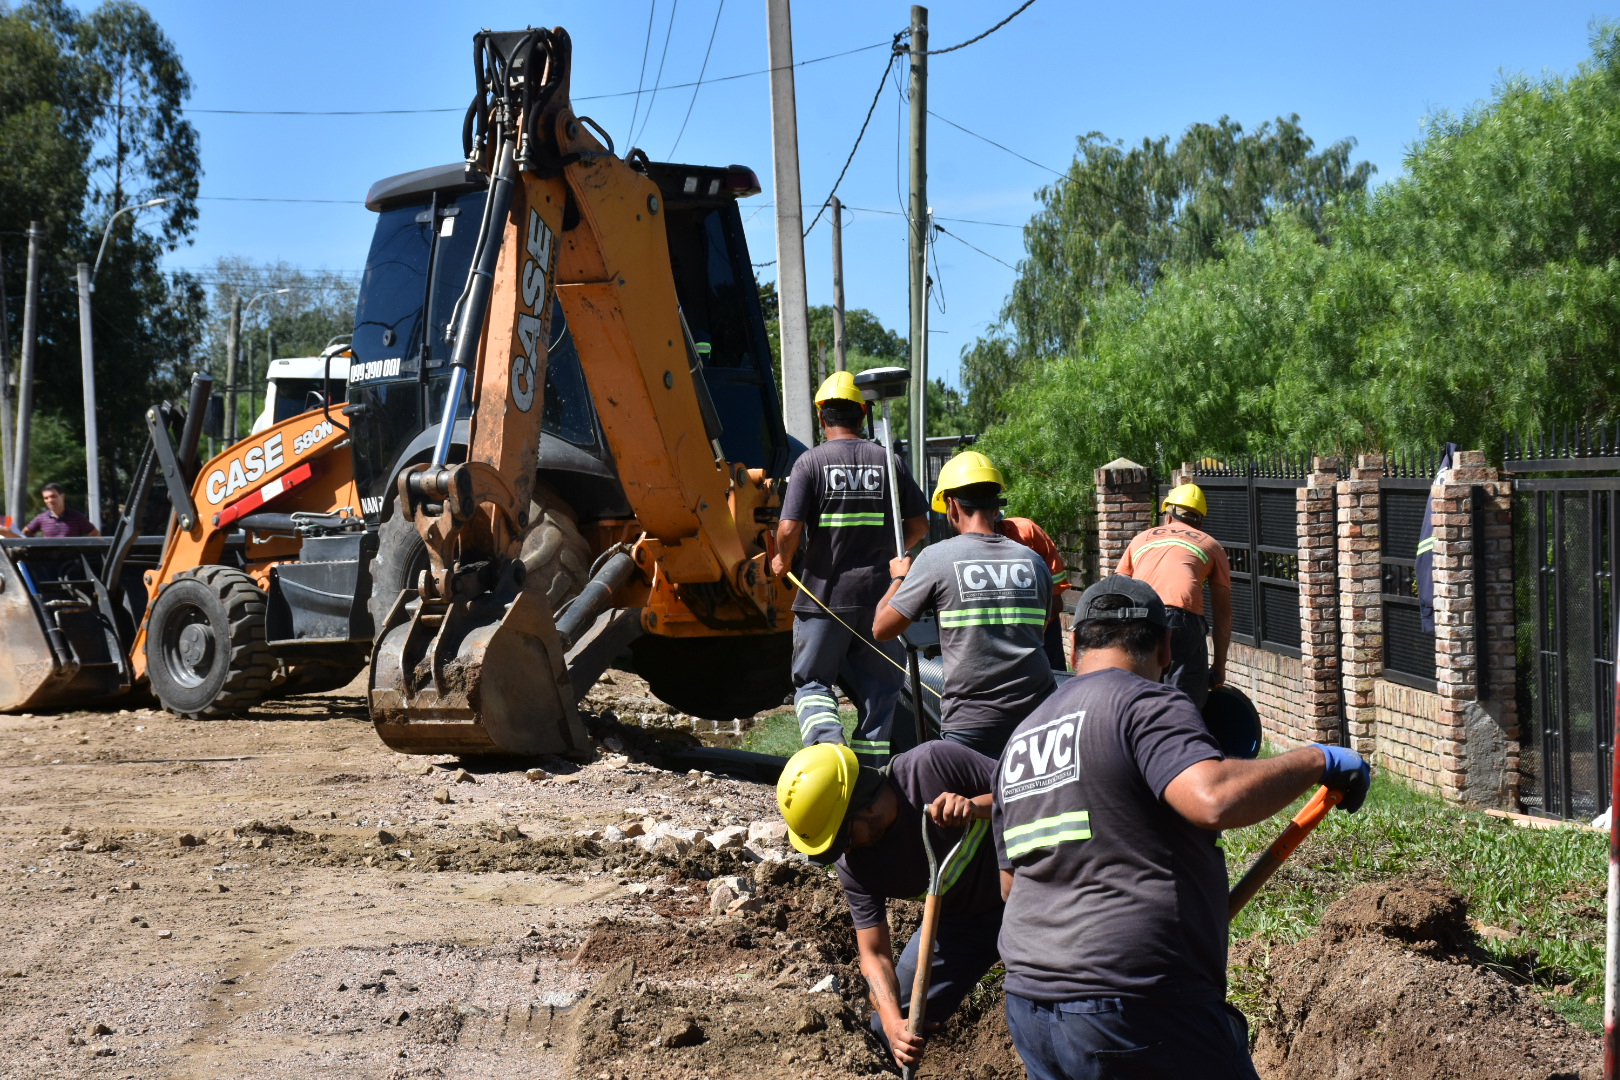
column 915, row 529
column 788, row 535
column 886, row 622
column 877, row 967
column 1233, row 793
column 1006, row 885
column 1221, row 598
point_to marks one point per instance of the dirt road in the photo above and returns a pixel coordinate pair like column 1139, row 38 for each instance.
column 284, row 896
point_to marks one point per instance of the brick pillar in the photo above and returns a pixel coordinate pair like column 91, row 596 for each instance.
column 1318, row 717
column 1476, row 751
column 1124, row 508
column 1361, row 613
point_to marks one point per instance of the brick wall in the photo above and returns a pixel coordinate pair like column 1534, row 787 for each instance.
column 1361, row 612
column 1125, row 499
column 1276, row 685
column 1409, row 734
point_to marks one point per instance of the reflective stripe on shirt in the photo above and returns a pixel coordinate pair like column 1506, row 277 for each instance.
column 1047, row 832
column 1203, row 556
column 996, row 616
column 971, row 840
column 836, row 521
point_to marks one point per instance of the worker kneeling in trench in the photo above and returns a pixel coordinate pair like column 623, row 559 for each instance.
column 868, row 823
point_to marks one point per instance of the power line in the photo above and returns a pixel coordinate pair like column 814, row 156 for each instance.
column 246, row 198
column 980, row 250
column 883, row 81
column 652, row 11
column 997, row 145
column 987, row 33
column 463, row 109
column 701, row 71
column 669, row 32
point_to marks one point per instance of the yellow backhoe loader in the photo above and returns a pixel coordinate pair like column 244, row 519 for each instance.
column 636, row 274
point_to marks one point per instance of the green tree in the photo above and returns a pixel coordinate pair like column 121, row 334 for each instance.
column 1124, row 216
column 90, row 121
column 1477, row 295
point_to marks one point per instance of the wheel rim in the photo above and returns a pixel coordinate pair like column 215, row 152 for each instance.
column 188, row 645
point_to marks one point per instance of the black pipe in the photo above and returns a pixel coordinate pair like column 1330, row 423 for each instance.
column 202, row 386
column 594, row 598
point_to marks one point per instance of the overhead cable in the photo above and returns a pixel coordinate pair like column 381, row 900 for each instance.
column 669, row 32
column 1020, row 10
column 882, row 82
column 652, row 11
column 997, row 145
column 462, row 108
column 980, row 250
column 701, row 71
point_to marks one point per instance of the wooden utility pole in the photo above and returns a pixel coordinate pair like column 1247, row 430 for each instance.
column 233, row 343
column 918, row 249
column 16, row 498
column 6, row 414
column 840, row 346
column 792, row 297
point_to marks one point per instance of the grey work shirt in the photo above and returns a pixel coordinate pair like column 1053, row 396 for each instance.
column 1114, row 893
column 992, row 595
column 840, row 491
column 896, row 867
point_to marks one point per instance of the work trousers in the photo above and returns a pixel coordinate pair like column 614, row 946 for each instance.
column 828, row 653
column 1125, row 1039
column 964, row 950
column 1189, row 655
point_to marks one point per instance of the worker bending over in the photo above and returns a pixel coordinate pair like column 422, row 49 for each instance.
column 869, row 823
column 1109, row 803
column 1176, row 557
column 838, row 506
column 993, row 596
column 1035, row 538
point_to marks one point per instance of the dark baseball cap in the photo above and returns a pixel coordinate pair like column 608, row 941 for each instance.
column 1140, row 601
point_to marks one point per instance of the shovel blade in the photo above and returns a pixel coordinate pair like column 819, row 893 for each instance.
column 483, row 677
column 32, row 677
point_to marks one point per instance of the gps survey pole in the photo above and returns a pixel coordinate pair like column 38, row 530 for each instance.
column 882, row 385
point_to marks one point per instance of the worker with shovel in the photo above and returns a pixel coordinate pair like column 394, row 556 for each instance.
column 1108, row 804
column 838, row 506
column 993, row 596
column 918, row 825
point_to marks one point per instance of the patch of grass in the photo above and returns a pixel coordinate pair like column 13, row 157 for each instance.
column 1543, row 886
column 778, row 732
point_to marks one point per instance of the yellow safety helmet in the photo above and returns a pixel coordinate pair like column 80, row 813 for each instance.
column 814, row 792
column 968, row 467
column 840, row 386
column 1188, row 496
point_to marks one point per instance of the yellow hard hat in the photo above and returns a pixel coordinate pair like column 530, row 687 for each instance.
column 1189, row 496
column 968, row 467
column 840, row 386
column 814, row 792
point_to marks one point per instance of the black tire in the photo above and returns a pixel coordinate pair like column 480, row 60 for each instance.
column 718, row 678
column 556, row 556
column 205, row 650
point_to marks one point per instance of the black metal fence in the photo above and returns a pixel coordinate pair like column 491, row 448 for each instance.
column 1566, row 519
column 1403, row 497
column 1253, row 512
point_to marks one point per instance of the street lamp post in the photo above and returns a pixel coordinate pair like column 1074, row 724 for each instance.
column 247, row 307
column 87, row 358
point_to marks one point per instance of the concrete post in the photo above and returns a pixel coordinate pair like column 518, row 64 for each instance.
column 792, row 298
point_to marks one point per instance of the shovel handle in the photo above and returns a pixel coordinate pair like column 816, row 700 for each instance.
column 925, row 967
column 1309, row 817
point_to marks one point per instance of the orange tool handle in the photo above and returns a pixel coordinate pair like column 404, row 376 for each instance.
column 1309, row 817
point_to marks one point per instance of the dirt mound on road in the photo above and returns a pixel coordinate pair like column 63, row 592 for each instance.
column 1392, row 986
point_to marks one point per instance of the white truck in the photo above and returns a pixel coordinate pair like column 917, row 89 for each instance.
column 293, row 385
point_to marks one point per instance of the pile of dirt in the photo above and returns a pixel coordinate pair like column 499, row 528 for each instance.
column 974, row 1044
column 1393, row 985
column 631, row 1027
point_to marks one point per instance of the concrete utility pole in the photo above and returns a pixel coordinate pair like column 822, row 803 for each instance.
column 92, row 434
column 840, row 347
column 792, row 298
column 16, row 498
column 918, row 250
column 233, row 341
column 7, row 417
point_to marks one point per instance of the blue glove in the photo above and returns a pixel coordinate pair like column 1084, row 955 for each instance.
column 1346, row 771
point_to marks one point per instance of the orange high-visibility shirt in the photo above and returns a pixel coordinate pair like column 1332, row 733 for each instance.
column 1034, row 537
column 1176, row 560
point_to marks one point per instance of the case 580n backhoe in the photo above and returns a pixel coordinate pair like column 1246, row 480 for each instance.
column 608, row 448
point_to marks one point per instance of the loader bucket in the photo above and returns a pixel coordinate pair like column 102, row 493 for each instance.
column 485, row 676
column 42, row 642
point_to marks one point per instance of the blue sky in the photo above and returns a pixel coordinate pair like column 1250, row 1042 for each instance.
column 1371, row 71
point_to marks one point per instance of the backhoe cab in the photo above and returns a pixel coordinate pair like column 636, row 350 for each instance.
column 585, row 331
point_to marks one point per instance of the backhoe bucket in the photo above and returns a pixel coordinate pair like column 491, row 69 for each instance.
column 58, row 649
column 485, row 676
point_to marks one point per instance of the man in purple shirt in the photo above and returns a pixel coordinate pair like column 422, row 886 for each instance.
column 56, row 520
